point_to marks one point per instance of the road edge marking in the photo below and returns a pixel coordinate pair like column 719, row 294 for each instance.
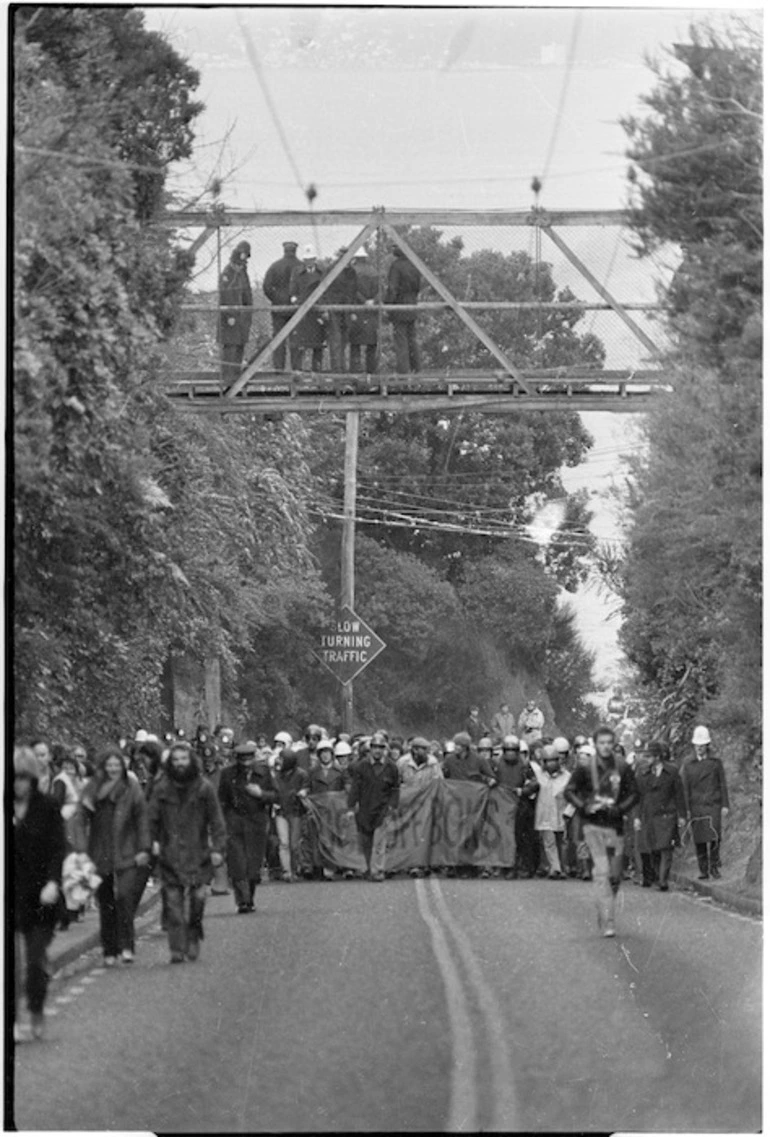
column 506, row 1109
column 463, row 1105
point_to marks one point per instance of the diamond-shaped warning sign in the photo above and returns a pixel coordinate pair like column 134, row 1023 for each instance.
column 348, row 646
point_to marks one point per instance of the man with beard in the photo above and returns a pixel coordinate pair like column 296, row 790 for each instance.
column 246, row 792
column 188, row 837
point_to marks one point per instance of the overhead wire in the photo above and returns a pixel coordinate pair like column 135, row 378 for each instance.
column 569, row 64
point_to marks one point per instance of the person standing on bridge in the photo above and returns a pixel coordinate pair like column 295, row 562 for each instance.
column 705, row 791
column 372, row 799
column 277, row 288
column 311, row 332
column 604, row 794
column 404, row 282
column 234, row 325
column 188, row 837
column 342, row 290
column 246, row 793
column 364, row 326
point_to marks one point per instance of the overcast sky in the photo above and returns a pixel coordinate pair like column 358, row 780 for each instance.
column 435, row 108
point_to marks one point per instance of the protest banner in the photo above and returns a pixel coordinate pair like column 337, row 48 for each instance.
column 442, row 823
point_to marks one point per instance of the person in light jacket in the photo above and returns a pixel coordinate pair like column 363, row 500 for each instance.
column 549, row 809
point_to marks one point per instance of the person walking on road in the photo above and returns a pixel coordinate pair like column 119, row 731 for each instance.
column 188, row 837
column 603, row 795
column 707, row 803
column 549, row 809
column 404, row 282
column 372, row 798
column 38, row 853
column 661, row 811
column 246, row 792
column 292, row 784
column 514, row 773
column 112, row 827
column 277, row 288
column 234, row 325
column 418, row 766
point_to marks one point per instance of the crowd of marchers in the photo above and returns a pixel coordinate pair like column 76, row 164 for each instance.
column 209, row 815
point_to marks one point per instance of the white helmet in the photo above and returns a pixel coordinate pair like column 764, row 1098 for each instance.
column 283, row 738
column 342, row 750
column 308, row 253
column 701, row 736
column 140, row 736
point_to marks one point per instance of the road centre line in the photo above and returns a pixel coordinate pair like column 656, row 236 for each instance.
column 463, row 1103
column 506, row 1112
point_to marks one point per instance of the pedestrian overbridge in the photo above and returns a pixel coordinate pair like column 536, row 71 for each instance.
column 518, row 311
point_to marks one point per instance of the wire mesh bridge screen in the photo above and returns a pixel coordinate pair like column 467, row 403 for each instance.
column 526, row 309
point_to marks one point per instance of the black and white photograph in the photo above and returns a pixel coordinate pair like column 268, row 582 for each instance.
column 384, row 506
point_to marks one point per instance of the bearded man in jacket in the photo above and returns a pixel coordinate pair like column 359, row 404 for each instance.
column 188, row 837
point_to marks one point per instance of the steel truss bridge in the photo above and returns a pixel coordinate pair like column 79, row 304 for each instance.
column 508, row 386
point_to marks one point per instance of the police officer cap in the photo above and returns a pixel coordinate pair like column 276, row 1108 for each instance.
column 246, row 749
column 290, row 245
column 510, row 742
column 462, row 739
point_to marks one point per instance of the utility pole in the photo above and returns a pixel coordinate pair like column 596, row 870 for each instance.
column 348, row 589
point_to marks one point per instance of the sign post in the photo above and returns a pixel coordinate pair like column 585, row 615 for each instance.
column 348, row 589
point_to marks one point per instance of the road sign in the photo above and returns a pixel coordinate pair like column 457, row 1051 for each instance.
column 348, row 645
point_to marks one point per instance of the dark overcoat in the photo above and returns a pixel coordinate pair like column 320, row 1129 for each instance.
column 39, row 848
column 374, row 791
column 364, row 327
column 112, row 833
column 234, row 289
column 187, row 822
column 404, row 282
column 277, row 283
column 246, row 817
column 661, row 803
column 705, row 793
column 311, row 331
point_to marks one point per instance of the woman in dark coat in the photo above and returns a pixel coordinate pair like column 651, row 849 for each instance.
column 113, row 828
column 235, row 325
column 311, row 332
column 246, row 792
column 661, row 809
column 38, row 852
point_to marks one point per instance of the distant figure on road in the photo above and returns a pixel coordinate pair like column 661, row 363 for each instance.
column 514, row 773
column 311, row 332
column 277, row 288
column 616, row 707
column 246, row 792
column 292, row 784
column 372, row 797
column 603, row 795
column 549, row 809
column 531, row 722
column 661, row 810
column 38, row 854
column 503, row 723
column 364, row 326
column 474, row 726
column 403, row 288
column 705, row 792
column 234, row 326
column 188, row 837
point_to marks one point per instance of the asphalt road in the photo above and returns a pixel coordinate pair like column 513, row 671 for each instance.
column 452, row 1004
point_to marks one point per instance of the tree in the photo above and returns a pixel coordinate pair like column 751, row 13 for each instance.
column 691, row 581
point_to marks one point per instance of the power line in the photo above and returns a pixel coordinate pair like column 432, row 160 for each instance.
column 563, row 94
